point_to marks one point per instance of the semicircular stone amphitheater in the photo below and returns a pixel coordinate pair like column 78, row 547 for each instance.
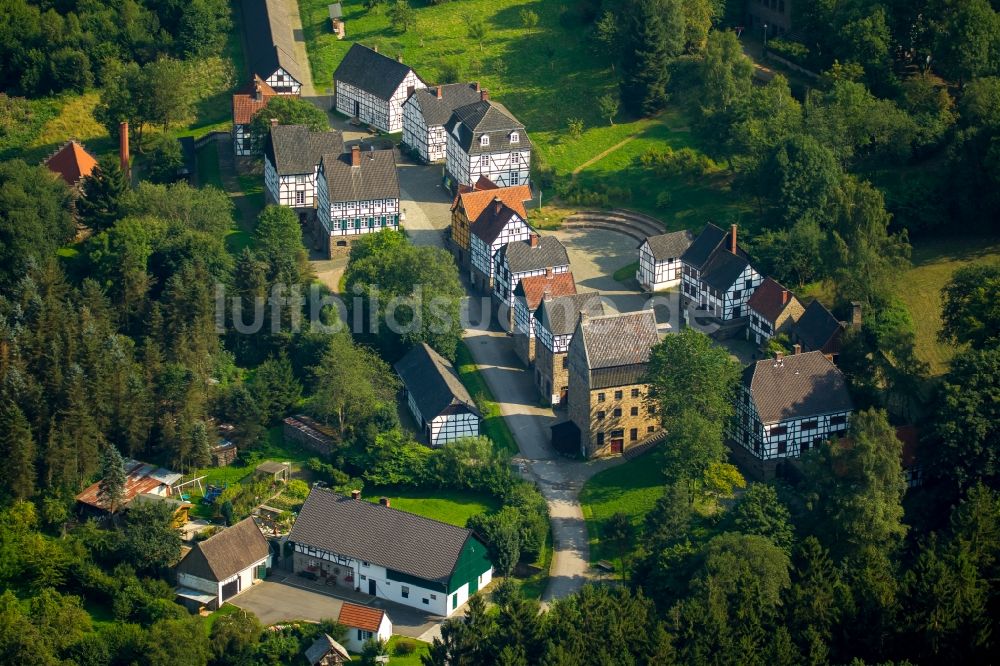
column 627, row 222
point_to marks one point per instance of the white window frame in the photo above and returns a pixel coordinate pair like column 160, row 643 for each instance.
column 484, row 140
column 484, row 162
column 515, row 137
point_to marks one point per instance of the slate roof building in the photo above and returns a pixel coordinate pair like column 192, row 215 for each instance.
column 528, row 296
column 818, row 330
column 438, row 400
column 717, row 277
column 71, row 162
column 554, row 322
column 247, row 101
column 485, row 139
column 425, row 113
column 390, row 554
column 497, row 225
column 326, row 652
column 787, row 405
column 357, row 194
column 660, row 260
column 608, row 357
column 222, row 566
column 271, row 43
column 773, row 310
column 538, row 255
column 469, row 204
column 291, row 164
column 363, row 623
column 372, row 87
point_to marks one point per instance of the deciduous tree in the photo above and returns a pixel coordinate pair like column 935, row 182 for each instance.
column 971, row 309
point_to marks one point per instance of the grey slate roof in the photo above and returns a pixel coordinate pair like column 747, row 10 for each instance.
column 669, row 246
column 702, row 248
column 617, row 340
column 432, row 381
column 492, row 220
column 230, row 551
column 816, row 327
column 394, row 539
column 453, row 95
column 486, row 117
column 797, row 386
column 375, row 178
column 521, row 257
column 270, row 38
column 624, row 375
column 722, row 269
column 296, row 149
column 371, row 71
column 324, row 645
column 560, row 315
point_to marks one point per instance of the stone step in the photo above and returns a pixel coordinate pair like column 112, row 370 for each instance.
column 634, row 234
column 646, row 227
column 642, row 229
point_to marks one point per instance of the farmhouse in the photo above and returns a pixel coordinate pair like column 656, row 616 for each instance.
column 271, row 46
column 247, row 101
column 425, row 113
column 497, row 225
column 554, row 322
column 660, row 260
column 364, row 622
column 528, row 296
column 608, row 356
column 389, row 554
column 717, row 277
column 71, row 162
column 358, row 194
column 291, row 164
column 818, row 330
column 140, row 478
column 326, row 652
column 787, row 405
column 469, row 204
column 220, row 567
column 773, row 310
column 484, row 139
column 372, row 87
column 518, row 260
column 439, row 401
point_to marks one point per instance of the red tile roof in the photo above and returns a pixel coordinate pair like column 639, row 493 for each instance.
column 360, row 617
column 556, row 285
column 245, row 104
column 72, row 162
column 770, row 299
column 476, row 201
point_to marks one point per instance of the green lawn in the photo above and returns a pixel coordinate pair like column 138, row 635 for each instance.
column 412, row 659
column 454, row 507
column 494, row 425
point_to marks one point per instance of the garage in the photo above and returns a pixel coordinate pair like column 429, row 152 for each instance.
column 230, row 590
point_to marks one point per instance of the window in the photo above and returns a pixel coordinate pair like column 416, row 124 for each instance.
column 600, row 439
column 748, row 285
column 600, row 416
column 364, row 577
column 514, row 137
column 652, row 409
column 778, row 431
column 618, row 395
column 364, row 564
column 618, row 412
column 809, row 425
column 300, row 197
column 650, row 428
column 837, row 420
column 600, row 397
column 782, row 447
column 300, row 179
column 484, row 163
column 425, row 601
column 364, row 635
column 484, row 140
column 737, row 293
column 565, row 362
column 434, row 597
column 635, row 393
column 515, row 178
column 406, row 592
column 633, row 434
column 515, row 158
column 634, row 411
column 454, row 601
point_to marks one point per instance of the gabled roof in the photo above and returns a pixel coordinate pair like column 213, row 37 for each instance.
column 371, row 71
column 669, row 246
column 404, row 542
column 432, row 382
column 365, row 618
column 617, row 340
column 72, row 162
column 521, row 257
column 227, row 553
column 489, row 224
column 373, row 178
column 533, row 289
column 140, row 478
column 437, row 110
column 468, row 123
column 797, row 386
column 723, row 269
column 270, row 38
column 245, row 102
column 323, row 646
column 560, row 315
column 817, row 328
column 475, row 201
column 296, row 149
column 711, row 240
column 770, row 299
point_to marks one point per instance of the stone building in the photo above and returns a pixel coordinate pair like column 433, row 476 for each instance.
column 554, row 322
column 528, row 296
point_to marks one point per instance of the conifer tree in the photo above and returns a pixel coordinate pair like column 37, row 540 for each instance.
column 111, row 488
column 652, row 33
column 17, row 452
column 100, row 205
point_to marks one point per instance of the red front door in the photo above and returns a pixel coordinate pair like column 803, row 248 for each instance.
column 617, row 444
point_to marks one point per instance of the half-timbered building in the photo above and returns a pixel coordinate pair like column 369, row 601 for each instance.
column 440, row 403
column 515, row 261
column 818, row 330
column 660, row 260
column 484, row 139
column 787, row 405
column 358, row 194
column 608, row 394
column 717, row 277
column 773, row 310
column 528, row 296
column 554, row 322
column 291, row 164
column 425, row 113
column 372, row 87
column 247, row 101
column 469, row 204
column 497, row 225
column 390, row 554
column 271, row 44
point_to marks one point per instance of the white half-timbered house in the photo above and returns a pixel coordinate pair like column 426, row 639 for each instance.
column 426, row 112
column 246, row 103
column 372, row 88
column 390, row 554
column 660, row 260
column 358, row 194
column 484, row 139
column 554, row 322
column 717, row 277
column 497, row 225
column 291, row 164
column 271, row 44
column 440, row 403
column 515, row 261
column 222, row 566
column 787, row 405
column 528, row 296
column 773, row 310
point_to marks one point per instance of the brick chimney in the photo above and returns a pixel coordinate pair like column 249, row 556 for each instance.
column 732, row 239
column 384, row 501
column 439, row 92
column 796, row 349
column 258, row 92
column 533, row 240
column 355, row 155
column 123, row 154
column 784, row 296
column 484, row 95
column 356, row 494
column 855, row 314
column 498, row 205
column 779, row 356
column 549, row 273
column 274, row 123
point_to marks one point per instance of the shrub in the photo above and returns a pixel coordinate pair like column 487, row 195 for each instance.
column 404, row 647
column 793, row 51
column 575, row 126
column 663, row 200
column 297, row 489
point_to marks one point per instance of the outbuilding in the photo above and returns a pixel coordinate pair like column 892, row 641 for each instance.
column 438, row 400
column 220, row 567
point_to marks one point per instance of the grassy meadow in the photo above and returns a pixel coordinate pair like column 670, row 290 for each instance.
column 454, row 507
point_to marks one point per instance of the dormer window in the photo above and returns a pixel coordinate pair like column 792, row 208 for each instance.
column 484, row 140
column 514, row 137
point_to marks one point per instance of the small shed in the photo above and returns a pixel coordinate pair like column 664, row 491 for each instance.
column 278, row 471
column 224, row 453
column 326, row 652
column 337, row 19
